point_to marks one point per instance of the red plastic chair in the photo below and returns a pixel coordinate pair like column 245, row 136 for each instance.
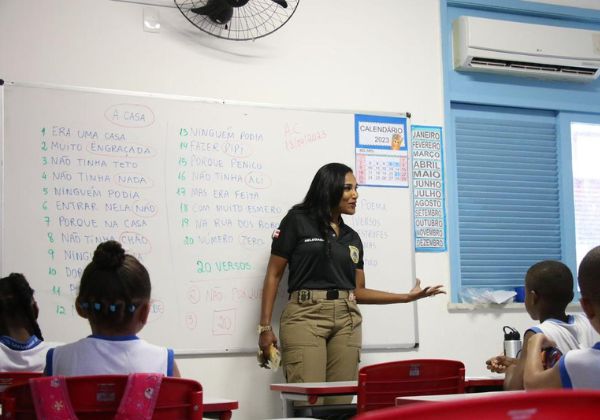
column 380, row 384
column 98, row 397
column 528, row 405
column 15, row 378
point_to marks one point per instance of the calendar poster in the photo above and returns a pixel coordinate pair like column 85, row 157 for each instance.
column 381, row 151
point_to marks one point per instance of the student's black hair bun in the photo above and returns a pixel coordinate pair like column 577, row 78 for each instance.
column 109, row 255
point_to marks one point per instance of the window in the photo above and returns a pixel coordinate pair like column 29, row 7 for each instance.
column 511, row 146
column 507, row 193
column 585, row 150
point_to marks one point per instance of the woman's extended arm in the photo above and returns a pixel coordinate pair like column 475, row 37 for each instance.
column 275, row 270
column 364, row 295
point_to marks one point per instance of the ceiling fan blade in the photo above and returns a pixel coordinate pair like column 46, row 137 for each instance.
column 282, row 3
column 219, row 11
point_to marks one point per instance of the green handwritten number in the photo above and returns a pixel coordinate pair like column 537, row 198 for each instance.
column 203, row 267
column 183, row 132
column 43, row 130
column 51, row 253
column 51, row 237
column 44, row 146
column 45, row 205
column 181, row 191
column 44, row 160
column 45, row 190
column 181, row 176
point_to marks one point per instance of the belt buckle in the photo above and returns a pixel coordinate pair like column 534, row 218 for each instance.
column 303, row 296
column 333, row 294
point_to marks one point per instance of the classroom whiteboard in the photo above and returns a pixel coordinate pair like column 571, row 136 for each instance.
column 193, row 188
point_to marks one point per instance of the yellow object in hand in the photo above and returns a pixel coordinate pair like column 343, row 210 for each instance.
column 270, row 361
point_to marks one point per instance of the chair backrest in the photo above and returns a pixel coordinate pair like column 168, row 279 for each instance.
column 15, row 378
column 380, row 384
column 99, row 396
column 528, row 405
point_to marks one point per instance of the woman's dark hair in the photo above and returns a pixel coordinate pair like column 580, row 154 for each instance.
column 324, row 194
column 17, row 305
column 113, row 286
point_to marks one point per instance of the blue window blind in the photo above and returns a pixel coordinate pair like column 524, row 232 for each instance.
column 507, row 190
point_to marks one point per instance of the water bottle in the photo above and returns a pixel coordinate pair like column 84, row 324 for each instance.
column 512, row 342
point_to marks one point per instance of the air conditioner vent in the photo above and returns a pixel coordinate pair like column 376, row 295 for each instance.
column 523, row 65
column 525, row 49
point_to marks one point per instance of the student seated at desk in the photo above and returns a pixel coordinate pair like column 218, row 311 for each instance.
column 114, row 296
column 21, row 342
column 577, row 368
column 548, row 291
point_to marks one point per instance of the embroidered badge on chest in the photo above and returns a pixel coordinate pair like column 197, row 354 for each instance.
column 353, row 253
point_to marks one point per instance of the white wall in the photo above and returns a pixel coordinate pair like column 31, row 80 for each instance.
column 366, row 55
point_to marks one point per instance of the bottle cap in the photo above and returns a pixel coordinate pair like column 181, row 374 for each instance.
column 512, row 334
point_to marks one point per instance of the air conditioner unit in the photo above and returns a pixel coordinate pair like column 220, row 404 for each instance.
column 542, row 51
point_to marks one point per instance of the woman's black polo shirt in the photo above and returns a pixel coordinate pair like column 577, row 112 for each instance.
column 299, row 241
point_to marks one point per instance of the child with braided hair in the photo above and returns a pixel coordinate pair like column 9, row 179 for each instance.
column 22, row 348
column 114, row 296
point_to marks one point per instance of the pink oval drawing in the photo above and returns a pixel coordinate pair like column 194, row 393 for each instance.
column 132, row 180
column 135, row 242
column 237, row 150
column 254, row 239
column 144, row 208
column 121, row 150
column 193, row 294
column 191, row 321
column 130, row 115
column 258, row 180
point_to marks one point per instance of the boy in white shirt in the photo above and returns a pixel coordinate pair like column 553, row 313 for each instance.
column 548, row 291
column 577, row 368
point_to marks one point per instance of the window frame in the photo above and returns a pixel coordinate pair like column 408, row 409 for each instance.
column 570, row 101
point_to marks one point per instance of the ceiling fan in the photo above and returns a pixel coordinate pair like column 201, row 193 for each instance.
column 238, row 20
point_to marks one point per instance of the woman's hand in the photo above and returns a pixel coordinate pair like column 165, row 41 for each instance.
column 265, row 340
column 418, row 293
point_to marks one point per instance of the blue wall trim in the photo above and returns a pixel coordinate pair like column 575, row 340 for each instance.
column 525, row 8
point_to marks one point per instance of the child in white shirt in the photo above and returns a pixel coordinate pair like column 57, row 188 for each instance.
column 114, row 296
column 577, row 368
column 22, row 348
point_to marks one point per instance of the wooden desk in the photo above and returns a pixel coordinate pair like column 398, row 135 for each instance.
column 450, row 397
column 219, row 408
column 310, row 391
